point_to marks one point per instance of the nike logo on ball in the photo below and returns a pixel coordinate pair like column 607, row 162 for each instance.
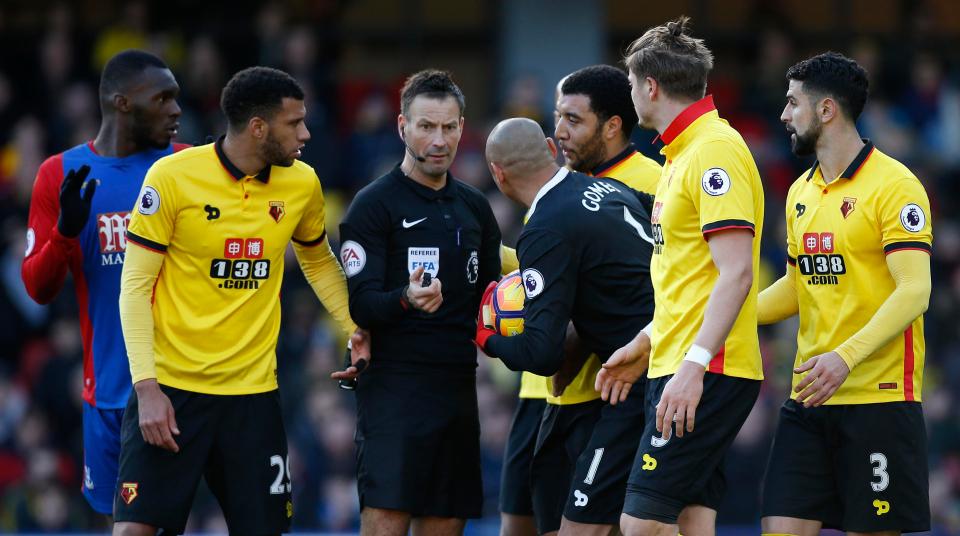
column 409, row 224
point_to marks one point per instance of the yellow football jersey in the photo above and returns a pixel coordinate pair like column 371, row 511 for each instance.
column 633, row 169
column 837, row 237
column 710, row 183
column 216, row 303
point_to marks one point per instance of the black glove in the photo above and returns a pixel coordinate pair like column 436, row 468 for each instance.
column 74, row 208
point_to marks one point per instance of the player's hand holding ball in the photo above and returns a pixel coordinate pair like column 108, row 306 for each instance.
column 501, row 309
column 485, row 321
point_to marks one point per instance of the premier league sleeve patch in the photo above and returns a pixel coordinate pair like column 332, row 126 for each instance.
column 532, row 282
column 715, row 181
column 912, row 218
column 149, row 202
column 353, row 257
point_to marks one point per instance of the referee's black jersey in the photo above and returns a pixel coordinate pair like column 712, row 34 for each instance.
column 395, row 225
column 584, row 256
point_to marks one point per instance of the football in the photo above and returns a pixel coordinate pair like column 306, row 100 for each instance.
column 505, row 312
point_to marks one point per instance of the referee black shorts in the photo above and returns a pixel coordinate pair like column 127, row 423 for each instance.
column 418, row 441
column 855, row 467
column 515, row 494
column 237, row 442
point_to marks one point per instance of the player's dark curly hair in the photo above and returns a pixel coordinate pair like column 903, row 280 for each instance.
column 608, row 89
column 257, row 92
column 124, row 67
column 835, row 75
column 668, row 54
column 431, row 83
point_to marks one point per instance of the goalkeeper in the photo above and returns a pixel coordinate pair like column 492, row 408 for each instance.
column 584, row 256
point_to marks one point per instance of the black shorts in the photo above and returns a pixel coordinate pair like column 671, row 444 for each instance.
column 600, row 478
column 857, row 467
column 518, row 456
column 236, row 442
column 666, row 477
column 418, row 441
column 564, row 432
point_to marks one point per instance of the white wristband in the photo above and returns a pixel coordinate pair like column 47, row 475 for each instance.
column 647, row 330
column 698, row 355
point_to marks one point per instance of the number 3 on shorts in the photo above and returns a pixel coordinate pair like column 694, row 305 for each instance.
column 283, row 468
column 880, row 471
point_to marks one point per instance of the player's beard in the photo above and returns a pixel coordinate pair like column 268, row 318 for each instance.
column 806, row 144
column 273, row 153
column 590, row 155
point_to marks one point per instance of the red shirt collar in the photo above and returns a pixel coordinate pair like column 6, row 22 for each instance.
column 687, row 116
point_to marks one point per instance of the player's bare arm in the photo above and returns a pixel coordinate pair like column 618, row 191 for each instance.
column 624, row 368
column 731, row 252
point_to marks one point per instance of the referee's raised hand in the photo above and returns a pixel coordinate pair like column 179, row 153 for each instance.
column 427, row 299
column 157, row 421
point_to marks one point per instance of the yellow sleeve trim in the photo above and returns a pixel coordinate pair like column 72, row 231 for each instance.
column 141, row 266
column 911, row 273
column 323, row 272
column 779, row 301
column 508, row 260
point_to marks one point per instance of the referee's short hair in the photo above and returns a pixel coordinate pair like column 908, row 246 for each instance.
column 124, row 67
column 257, row 92
column 608, row 89
column 431, row 83
column 835, row 75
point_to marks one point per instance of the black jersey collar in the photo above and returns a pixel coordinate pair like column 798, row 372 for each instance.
column 263, row 176
column 425, row 191
column 549, row 185
column 854, row 166
column 620, row 157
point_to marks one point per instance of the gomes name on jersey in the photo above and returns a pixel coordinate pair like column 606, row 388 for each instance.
column 595, row 193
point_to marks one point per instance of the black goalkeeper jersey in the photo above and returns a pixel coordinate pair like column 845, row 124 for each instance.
column 584, row 256
column 395, row 225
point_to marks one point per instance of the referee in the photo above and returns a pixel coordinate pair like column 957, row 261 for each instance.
column 418, row 431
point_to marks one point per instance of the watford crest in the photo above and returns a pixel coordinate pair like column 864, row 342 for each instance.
column 276, row 210
column 129, row 492
column 847, row 207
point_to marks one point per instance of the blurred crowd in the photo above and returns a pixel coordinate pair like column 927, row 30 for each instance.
column 48, row 88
